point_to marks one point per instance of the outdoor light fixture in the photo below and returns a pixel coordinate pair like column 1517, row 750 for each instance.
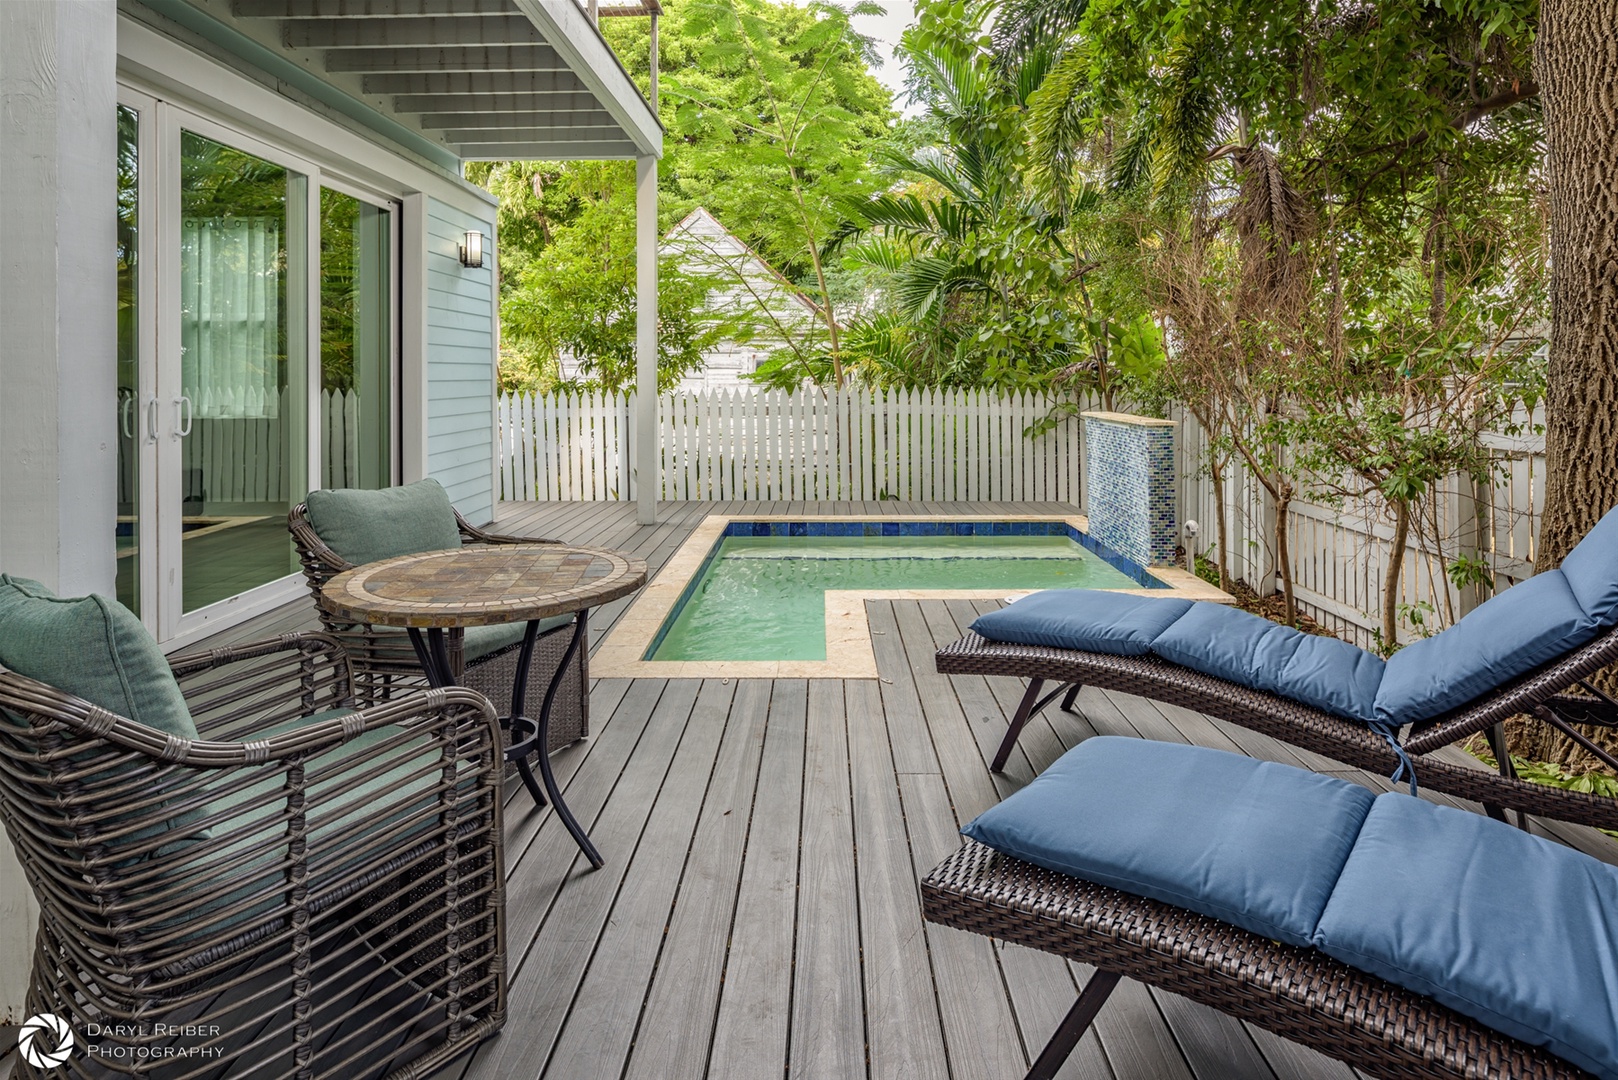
column 472, row 249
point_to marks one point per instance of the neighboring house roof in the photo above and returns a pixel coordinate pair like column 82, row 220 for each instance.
column 706, row 246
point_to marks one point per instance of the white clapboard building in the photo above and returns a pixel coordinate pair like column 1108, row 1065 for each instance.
column 749, row 287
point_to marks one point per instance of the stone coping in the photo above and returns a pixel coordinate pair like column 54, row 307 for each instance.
column 849, row 653
column 1128, row 418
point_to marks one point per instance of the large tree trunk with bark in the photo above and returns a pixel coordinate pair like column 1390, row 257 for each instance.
column 1576, row 64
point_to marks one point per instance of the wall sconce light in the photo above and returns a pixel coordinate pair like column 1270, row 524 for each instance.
column 472, row 250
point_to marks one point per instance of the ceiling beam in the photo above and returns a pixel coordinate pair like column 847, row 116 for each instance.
column 463, row 58
column 392, row 33
column 602, row 134
column 364, row 9
column 558, row 100
column 548, row 151
column 475, row 82
column 557, row 120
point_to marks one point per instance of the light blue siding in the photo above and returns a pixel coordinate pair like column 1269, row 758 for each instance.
column 460, row 351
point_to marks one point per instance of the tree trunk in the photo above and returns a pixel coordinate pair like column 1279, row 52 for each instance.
column 1283, row 553
column 1391, row 575
column 1576, row 60
column 1576, row 63
column 1216, row 472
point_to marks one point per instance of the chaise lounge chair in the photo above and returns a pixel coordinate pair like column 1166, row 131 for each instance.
column 1404, row 938
column 1528, row 650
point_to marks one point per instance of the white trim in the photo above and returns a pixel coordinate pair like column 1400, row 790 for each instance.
column 235, row 610
column 413, row 340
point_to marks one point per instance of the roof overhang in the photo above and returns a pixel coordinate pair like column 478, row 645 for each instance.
column 484, row 79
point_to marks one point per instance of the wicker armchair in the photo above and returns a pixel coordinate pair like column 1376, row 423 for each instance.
column 384, row 659
column 303, row 890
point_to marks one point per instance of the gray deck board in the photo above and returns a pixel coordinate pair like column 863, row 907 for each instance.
column 759, row 912
column 827, row 1002
column 752, row 1030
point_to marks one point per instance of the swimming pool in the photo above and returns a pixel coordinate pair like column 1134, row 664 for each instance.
column 761, row 592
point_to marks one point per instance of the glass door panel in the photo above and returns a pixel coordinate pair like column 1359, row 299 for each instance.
column 356, row 342
column 131, row 402
column 241, row 401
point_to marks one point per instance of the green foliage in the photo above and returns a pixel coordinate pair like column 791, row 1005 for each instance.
column 771, row 114
column 568, row 284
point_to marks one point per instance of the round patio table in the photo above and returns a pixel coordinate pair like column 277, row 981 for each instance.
column 430, row 592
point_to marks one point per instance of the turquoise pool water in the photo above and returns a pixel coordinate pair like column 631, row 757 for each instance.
column 763, row 597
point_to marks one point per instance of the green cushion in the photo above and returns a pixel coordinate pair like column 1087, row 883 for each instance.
column 367, row 526
column 94, row 648
column 482, row 640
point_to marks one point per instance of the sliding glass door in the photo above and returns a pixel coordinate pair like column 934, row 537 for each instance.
column 239, row 435
column 256, row 357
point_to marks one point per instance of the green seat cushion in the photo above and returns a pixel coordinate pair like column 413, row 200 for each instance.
column 482, row 640
column 367, row 526
column 93, row 648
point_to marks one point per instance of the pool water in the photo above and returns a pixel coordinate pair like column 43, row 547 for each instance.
column 763, row 597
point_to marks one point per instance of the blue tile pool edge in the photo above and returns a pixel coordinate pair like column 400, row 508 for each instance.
column 898, row 528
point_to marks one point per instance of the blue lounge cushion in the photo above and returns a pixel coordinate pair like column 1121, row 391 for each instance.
column 1510, row 635
column 1591, row 570
column 368, row 526
column 1509, row 929
column 1252, row 843
column 1231, row 644
column 1089, row 620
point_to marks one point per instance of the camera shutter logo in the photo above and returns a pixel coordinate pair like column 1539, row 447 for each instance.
column 45, row 1041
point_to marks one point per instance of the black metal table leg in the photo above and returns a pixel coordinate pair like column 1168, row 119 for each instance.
column 540, row 738
column 528, row 734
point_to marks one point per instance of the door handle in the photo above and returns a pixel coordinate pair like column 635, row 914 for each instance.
column 182, row 407
column 126, row 418
column 151, row 418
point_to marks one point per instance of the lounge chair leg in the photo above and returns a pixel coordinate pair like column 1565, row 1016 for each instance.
column 1074, row 1025
column 1025, row 709
column 1496, row 737
column 1072, row 695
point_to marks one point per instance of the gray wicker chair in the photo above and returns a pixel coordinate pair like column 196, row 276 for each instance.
column 314, row 891
column 1297, row 993
column 384, row 659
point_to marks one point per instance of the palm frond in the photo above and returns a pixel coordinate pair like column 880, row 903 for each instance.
column 1023, row 25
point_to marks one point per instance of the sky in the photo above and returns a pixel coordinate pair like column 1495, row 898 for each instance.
column 886, row 29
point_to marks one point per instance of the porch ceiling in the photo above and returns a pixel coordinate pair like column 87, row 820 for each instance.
column 486, row 79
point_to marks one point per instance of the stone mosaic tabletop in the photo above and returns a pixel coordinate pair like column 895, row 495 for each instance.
column 483, row 586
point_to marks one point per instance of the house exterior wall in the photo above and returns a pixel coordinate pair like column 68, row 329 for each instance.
column 460, row 339
column 58, row 482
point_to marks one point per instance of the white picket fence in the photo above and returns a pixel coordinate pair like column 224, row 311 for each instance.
column 849, row 445
column 1341, row 555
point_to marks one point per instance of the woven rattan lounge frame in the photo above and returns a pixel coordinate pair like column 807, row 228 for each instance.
column 1549, row 693
column 261, row 884
column 1297, row 993
column 384, row 659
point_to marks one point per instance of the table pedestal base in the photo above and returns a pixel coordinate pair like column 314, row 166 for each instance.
column 528, row 735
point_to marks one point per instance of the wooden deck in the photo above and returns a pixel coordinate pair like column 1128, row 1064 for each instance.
column 758, row 915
